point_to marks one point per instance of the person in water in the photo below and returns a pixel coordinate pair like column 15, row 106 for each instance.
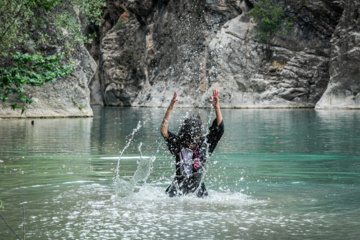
column 191, row 149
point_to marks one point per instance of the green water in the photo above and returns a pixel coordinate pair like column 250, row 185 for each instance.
column 276, row 174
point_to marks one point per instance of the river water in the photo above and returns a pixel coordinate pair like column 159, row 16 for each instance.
column 275, row 174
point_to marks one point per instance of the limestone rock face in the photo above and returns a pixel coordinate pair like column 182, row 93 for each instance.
column 344, row 86
column 193, row 47
column 288, row 78
column 119, row 75
column 291, row 71
column 162, row 47
column 67, row 97
column 111, row 15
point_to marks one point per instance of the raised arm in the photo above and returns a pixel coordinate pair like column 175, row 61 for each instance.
column 216, row 105
column 165, row 122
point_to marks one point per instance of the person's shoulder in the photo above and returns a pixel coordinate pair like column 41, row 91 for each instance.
column 172, row 138
column 215, row 126
column 171, row 134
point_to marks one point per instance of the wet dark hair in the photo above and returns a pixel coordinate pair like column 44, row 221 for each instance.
column 191, row 129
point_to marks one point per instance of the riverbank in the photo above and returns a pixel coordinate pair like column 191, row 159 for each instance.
column 86, row 113
column 46, row 113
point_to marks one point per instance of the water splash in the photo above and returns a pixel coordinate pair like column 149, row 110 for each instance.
column 207, row 155
column 142, row 173
column 144, row 167
column 123, row 187
column 126, row 146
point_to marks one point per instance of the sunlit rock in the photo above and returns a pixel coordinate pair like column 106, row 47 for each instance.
column 344, row 88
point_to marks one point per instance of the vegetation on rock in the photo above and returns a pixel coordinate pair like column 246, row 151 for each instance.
column 32, row 70
column 37, row 22
column 270, row 19
column 32, row 26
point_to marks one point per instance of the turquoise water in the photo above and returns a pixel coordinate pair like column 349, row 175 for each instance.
column 276, row 174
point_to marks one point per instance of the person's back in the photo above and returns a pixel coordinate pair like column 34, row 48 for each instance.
column 191, row 149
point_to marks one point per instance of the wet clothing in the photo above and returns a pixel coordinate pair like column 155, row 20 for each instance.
column 183, row 185
column 190, row 162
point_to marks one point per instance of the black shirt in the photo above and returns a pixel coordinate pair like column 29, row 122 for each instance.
column 203, row 148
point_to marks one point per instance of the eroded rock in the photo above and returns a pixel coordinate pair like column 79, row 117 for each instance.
column 344, row 87
column 195, row 46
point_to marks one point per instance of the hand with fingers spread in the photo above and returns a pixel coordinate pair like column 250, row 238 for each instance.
column 215, row 99
column 215, row 102
column 173, row 100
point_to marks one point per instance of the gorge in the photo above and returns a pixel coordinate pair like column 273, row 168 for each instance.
column 147, row 49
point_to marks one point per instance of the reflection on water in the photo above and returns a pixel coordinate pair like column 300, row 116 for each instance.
column 46, row 136
column 276, row 174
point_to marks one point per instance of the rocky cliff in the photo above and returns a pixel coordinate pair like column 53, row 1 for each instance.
column 147, row 49
column 66, row 97
column 343, row 90
column 150, row 48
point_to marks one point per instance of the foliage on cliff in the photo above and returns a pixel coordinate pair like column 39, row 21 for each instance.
column 30, row 23
column 32, row 70
column 31, row 26
column 271, row 19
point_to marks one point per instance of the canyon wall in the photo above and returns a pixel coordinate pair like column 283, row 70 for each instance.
column 343, row 90
column 149, row 49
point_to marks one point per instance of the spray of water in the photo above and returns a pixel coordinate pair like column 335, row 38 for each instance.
column 144, row 168
column 207, row 155
column 126, row 146
column 142, row 173
column 123, row 187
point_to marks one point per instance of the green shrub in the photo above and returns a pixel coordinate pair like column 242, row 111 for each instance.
column 28, row 25
column 31, row 70
column 45, row 21
column 270, row 19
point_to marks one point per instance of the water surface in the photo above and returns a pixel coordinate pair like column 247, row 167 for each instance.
column 276, row 174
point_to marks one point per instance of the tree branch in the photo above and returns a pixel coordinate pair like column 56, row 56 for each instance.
column 9, row 227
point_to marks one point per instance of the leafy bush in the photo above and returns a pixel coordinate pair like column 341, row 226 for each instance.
column 32, row 70
column 34, row 24
column 45, row 21
column 270, row 19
